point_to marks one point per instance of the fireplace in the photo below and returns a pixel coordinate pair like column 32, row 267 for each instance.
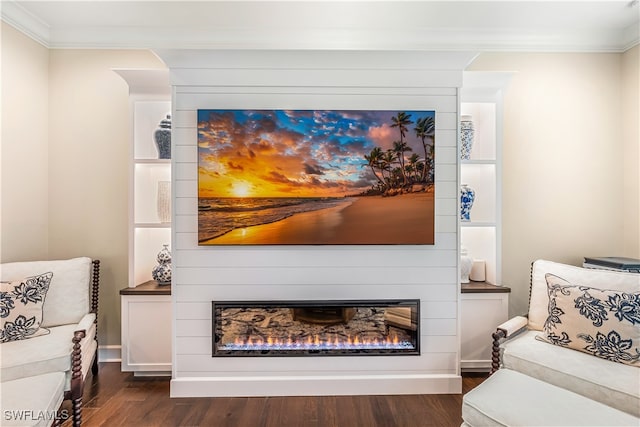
column 316, row 328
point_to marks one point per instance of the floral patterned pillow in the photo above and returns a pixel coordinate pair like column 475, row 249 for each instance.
column 21, row 307
column 604, row 323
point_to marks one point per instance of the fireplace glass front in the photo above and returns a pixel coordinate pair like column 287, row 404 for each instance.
column 318, row 328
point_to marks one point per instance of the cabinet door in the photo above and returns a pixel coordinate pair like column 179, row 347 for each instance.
column 146, row 334
column 480, row 316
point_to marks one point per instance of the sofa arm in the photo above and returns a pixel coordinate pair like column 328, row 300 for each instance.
column 507, row 329
column 86, row 322
column 513, row 326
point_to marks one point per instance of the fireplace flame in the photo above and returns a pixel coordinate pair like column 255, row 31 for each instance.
column 317, row 342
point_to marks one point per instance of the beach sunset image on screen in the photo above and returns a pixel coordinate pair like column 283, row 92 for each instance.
column 316, row 177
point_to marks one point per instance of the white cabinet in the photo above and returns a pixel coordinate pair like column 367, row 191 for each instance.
column 146, row 339
column 483, row 305
column 146, row 307
column 482, row 308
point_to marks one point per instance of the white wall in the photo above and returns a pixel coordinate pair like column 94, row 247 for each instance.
column 25, row 148
column 203, row 274
column 631, row 137
column 89, row 155
column 563, row 158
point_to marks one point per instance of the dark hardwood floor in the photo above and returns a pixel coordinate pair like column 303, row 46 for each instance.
column 114, row 398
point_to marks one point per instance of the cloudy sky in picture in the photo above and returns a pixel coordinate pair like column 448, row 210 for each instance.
column 294, row 153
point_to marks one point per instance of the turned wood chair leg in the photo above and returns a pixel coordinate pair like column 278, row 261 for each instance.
column 495, row 349
column 77, row 412
column 56, row 420
column 94, row 366
column 76, row 378
column 95, row 290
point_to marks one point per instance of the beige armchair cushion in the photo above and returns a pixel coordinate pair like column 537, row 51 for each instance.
column 68, row 296
column 575, row 371
column 48, row 353
column 510, row 398
column 32, row 401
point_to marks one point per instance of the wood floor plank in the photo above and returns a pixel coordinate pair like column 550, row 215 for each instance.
column 114, row 398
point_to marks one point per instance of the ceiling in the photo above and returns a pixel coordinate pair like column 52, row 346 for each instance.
column 552, row 26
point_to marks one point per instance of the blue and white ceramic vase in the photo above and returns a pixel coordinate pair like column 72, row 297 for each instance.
column 161, row 273
column 162, row 137
column 467, row 133
column 467, row 196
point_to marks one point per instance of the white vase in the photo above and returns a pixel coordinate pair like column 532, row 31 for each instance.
column 478, row 271
column 467, row 135
column 164, row 201
column 466, row 262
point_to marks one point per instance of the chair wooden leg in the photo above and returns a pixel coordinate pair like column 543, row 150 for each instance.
column 495, row 349
column 56, row 420
column 77, row 412
column 76, row 378
column 94, row 366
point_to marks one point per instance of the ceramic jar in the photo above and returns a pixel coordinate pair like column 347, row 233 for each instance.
column 161, row 273
column 162, row 137
column 163, row 201
column 466, row 262
column 467, row 197
column 467, row 134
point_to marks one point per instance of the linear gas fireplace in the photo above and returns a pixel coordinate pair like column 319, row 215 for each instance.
column 318, row 328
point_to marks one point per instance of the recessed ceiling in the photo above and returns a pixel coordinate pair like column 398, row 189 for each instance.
column 603, row 26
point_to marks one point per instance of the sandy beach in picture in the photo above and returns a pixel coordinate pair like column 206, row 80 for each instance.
column 402, row 219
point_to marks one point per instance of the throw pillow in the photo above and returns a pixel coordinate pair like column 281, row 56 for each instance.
column 604, row 323
column 21, row 304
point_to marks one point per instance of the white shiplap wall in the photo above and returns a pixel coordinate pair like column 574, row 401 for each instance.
column 314, row 80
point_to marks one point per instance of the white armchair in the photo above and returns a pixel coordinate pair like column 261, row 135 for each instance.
column 69, row 319
column 519, row 343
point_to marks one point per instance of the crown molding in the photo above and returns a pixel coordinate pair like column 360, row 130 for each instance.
column 318, row 37
column 631, row 37
column 21, row 19
column 338, row 39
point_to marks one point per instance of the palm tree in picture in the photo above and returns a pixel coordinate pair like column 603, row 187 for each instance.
column 401, row 121
column 413, row 166
column 386, row 162
column 425, row 128
column 374, row 160
column 401, row 147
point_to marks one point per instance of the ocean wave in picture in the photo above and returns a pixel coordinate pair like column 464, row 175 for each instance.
column 218, row 216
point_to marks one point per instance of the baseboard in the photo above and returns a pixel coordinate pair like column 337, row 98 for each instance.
column 109, row 353
column 475, row 365
column 238, row 386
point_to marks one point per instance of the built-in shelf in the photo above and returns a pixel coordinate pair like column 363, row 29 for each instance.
column 146, row 306
column 477, row 224
column 484, row 305
column 478, row 162
column 483, row 288
column 153, row 161
column 152, row 225
column 150, row 287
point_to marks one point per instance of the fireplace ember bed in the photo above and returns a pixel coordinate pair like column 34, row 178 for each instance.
column 316, row 328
